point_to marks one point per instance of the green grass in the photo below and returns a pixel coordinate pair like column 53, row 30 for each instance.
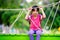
column 26, row 37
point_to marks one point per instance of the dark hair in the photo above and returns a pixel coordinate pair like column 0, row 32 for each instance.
column 33, row 9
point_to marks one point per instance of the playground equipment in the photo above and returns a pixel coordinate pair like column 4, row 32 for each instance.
column 59, row 29
column 26, row 37
column 49, row 5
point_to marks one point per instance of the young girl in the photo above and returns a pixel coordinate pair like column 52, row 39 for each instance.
column 35, row 21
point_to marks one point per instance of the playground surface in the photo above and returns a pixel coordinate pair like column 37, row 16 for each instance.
column 26, row 37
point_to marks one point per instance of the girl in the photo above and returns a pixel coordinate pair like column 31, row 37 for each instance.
column 34, row 19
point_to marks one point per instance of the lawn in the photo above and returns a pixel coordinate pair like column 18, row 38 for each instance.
column 26, row 37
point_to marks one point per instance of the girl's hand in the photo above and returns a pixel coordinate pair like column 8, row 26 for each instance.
column 41, row 29
column 41, row 8
column 30, row 8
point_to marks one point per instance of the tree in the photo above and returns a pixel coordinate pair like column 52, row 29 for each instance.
column 6, row 16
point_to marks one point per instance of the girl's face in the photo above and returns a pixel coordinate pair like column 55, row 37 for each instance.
column 34, row 12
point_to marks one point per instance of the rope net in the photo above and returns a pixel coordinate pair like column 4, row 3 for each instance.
column 22, row 13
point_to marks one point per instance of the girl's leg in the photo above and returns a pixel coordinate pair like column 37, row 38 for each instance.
column 31, row 32
column 38, row 32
